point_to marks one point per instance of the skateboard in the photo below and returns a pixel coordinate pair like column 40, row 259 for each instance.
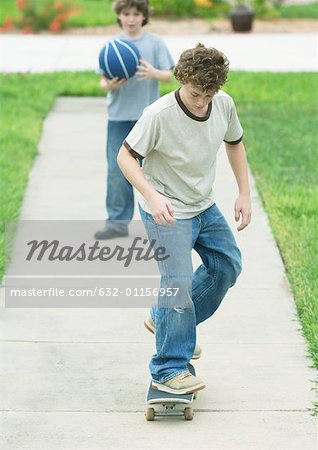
column 161, row 403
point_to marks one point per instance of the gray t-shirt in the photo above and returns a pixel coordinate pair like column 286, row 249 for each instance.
column 179, row 149
column 128, row 102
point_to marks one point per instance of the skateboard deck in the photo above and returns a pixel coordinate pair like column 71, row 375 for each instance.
column 161, row 403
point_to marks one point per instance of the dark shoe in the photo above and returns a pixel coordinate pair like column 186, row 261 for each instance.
column 108, row 233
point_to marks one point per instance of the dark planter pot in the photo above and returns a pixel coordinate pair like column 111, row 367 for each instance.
column 242, row 18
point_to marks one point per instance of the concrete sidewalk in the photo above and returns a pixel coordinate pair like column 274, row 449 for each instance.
column 77, row 379
column 253, row 52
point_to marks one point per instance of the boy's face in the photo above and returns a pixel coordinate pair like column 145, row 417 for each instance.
column 131, row 20
column 195, row 99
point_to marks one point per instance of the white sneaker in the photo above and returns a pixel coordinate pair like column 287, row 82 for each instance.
column 150, row 325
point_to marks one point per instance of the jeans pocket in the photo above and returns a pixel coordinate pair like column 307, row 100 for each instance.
column 145, row 216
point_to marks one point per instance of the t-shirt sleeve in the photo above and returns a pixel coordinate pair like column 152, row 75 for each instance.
column 143, row 137
column 164, row 60
column 234, row 133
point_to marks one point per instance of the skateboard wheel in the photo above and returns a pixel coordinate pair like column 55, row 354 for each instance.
column 188, row 413
column 150, row 414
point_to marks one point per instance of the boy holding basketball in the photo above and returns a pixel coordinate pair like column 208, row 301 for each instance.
column 177, row 138
column 126, row 100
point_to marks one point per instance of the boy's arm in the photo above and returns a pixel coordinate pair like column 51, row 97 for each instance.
column 237, row 158
column 160, row 207
column 146, row 71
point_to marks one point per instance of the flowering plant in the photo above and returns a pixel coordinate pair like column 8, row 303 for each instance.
column 49, row 15
column 212, row 8
column 203, row 3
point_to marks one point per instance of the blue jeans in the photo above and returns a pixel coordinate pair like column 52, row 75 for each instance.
column 119, row 193
column 201, row 292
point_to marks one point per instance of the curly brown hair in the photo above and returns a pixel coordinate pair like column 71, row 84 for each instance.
column 205, row 68
column 141, row 5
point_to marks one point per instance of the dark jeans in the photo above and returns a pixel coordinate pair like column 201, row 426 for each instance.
column 119, row 193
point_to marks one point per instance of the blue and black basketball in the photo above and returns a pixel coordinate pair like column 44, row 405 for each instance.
column 119, row 58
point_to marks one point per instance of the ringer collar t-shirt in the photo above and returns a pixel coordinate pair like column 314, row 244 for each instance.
column 179, row 149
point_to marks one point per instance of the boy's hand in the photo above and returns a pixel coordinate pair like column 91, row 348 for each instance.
column 161, row 210
column 243, row 209
column 108, row 84
column 145, row 70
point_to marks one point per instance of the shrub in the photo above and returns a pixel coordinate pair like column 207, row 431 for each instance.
column 44, row 15
column 210, row 8
column 190, row 8
column 264, row 8
column 172, row 8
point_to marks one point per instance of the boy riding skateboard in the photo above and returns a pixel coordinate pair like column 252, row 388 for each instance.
column 177, row 138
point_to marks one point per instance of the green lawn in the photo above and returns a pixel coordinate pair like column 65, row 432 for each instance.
column 279, row 114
